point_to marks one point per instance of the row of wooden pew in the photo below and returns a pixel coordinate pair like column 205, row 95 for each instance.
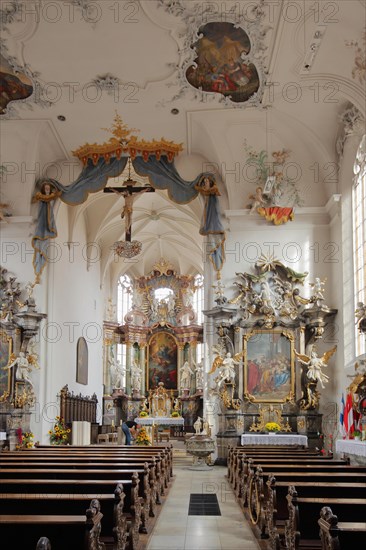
column 89, row 498
column 294, row 497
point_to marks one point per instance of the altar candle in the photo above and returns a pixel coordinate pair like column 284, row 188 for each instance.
column 112, row 423
column 120, row 422
column 253, row 419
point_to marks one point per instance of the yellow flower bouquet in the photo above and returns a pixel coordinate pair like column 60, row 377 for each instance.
column 142, row 437
column 272, row 427
column 25, row 440
column 60, row 433
column 175, row 414
column 143, row 414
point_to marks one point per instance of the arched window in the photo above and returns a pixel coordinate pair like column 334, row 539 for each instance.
column 198, row 298
column 124, row 304
column 359, row 236
column 124, row 297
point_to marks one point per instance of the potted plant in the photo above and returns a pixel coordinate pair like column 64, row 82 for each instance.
column 357, row 435
column 272, row 427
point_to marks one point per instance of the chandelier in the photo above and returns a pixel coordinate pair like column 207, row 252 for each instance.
column 127, row 249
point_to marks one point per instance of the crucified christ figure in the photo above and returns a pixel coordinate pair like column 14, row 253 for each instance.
column 130, row 194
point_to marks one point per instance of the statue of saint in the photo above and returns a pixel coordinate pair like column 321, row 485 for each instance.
column 136, row 374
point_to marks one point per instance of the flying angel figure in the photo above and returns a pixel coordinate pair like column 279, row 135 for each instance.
column 315, row 364
column 226, row 363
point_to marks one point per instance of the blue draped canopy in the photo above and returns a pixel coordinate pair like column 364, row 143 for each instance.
column 162, row 174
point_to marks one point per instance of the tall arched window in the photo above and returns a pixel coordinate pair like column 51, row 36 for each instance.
column 124, row 297
column 198, row 298
column 124, row 304
column 359, row 236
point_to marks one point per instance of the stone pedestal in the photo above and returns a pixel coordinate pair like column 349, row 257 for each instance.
column 200, row 446
column 231, row 426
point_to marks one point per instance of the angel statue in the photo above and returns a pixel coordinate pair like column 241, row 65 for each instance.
column 315, row 364
column 227, row 365
column 24, row 368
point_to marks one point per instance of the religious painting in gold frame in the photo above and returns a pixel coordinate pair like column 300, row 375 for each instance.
column 269, row 366
column 162, row 360
column 6, row 344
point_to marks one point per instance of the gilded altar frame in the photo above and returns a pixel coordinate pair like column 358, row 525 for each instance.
column 269, row 366
column 6, row 346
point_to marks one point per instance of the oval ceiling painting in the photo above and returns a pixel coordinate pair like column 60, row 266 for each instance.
column 221, row 65
column 13, row 85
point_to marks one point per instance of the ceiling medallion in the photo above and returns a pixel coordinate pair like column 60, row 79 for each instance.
column 127, row 249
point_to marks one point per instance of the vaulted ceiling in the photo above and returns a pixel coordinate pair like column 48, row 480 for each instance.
column 88, row 59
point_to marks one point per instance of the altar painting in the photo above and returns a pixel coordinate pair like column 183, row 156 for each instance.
column 269, row 366
column 221, row 65
column 162, row 360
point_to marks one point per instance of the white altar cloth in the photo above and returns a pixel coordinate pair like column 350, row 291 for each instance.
column 351, row 447
column 159, row 421
column 274, row 439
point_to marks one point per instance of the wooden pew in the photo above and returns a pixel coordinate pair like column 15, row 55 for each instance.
column 114, row 476
column 342, row 535
column 163, row 461
column 237, row 453
column 255, row 489
column 152, row 491
column 242, row 466
column 302, row 529
column 275, row 509
column 79, row 531
column 122, row 508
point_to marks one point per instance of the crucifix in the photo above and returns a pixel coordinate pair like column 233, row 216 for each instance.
column 130, row 194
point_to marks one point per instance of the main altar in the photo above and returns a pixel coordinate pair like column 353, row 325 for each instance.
column 160, row 336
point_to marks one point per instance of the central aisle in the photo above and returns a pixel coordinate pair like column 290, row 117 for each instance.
column 176, row 530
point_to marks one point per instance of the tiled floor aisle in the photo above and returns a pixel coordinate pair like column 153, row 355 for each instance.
column 176, row 530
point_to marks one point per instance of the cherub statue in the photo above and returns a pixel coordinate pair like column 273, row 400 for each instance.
column 315, row 364
column 360, row 312
column 318, row 287
column 227, row 365
column 258, row 200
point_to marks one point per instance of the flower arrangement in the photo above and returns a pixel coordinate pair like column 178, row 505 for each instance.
column 272, row 427
column 60, row 433
column 175, row 414
column 142, row 437
column 143, row 414
column 25, row 440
